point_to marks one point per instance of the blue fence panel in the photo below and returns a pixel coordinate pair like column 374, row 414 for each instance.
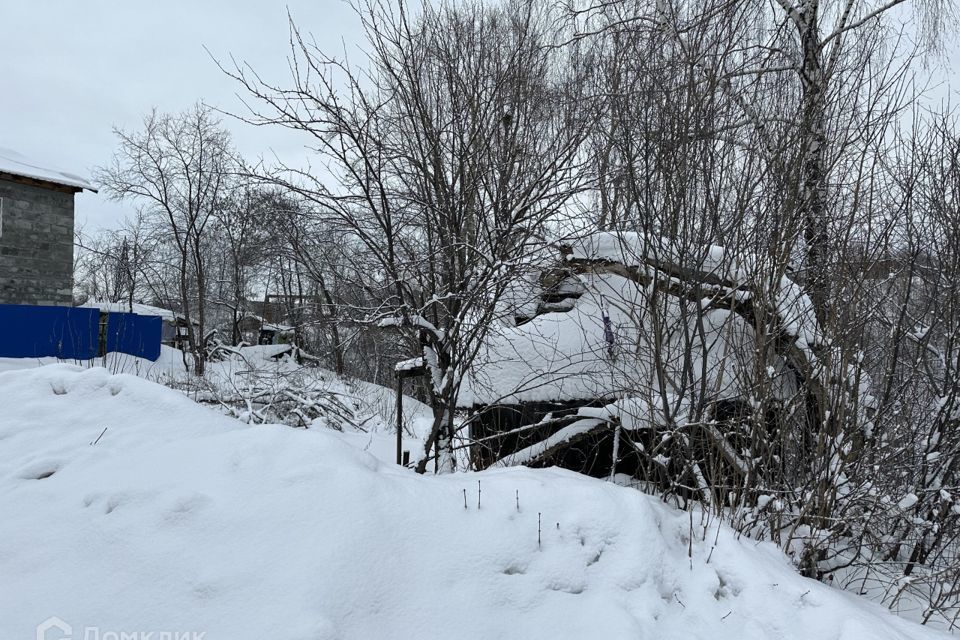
column 28, row 331
column 134, row 334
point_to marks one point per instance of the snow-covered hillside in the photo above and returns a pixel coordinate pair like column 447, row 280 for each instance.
column 182, row 519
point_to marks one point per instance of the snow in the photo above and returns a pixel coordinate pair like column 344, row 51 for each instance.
column 262, row 352
column 633, row 249
column 20, row 165
column 125, row 307
column 169, row 365
column 409, row 364
column 554, row 356
column 908, row 501
column 625, row 248
column 182, row 519
column 563, row 355
column 279, row 328
column 258, row 365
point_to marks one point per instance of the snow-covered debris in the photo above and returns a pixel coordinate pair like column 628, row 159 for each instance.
column 555, row 356
column 562, row 436
column 19, row 165
column 179, row 518
column 633, row 249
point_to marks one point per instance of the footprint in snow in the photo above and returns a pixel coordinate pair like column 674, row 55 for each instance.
column 40, row 470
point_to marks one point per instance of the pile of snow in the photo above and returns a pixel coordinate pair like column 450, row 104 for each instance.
column 129, row 509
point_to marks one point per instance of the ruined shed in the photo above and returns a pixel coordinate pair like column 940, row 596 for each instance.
column 636, row 337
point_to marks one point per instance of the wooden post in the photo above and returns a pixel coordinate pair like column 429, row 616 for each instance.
column 405, row 369
column 399, row 418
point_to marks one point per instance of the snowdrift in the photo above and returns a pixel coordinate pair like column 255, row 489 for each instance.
column 177, row 518
column 256, row 365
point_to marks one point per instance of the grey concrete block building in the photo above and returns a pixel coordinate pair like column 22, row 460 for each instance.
column 36, row 231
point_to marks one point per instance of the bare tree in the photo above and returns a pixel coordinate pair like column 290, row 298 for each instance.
column 112, row 265
column 241, row 233
column 449, row 155
column 179, row 170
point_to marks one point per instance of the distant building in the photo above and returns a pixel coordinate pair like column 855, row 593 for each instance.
column 36, row 231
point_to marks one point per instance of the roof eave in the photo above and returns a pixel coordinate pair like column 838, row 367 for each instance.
column 55, row 185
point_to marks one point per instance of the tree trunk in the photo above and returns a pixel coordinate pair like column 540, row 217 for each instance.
column 813, row 178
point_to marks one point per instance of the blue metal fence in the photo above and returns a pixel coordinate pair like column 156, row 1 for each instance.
column 134, row 334
column 75, row 333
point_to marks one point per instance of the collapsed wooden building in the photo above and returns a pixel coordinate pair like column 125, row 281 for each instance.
column 662, row 362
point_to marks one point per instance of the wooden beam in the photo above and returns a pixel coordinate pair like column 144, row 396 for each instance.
column 399, row 419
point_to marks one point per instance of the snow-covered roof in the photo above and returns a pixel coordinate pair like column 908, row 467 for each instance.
column 634, row 249
column 17, row 164
column 409, row 364
column 265, row 351
column 556, row 356
column 136, row 307
column 568, row 356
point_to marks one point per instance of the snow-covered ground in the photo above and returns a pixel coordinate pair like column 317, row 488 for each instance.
column 125, row 507
column 252, row 366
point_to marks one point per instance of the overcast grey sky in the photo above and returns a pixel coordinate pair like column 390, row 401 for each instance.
column 71, row 70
